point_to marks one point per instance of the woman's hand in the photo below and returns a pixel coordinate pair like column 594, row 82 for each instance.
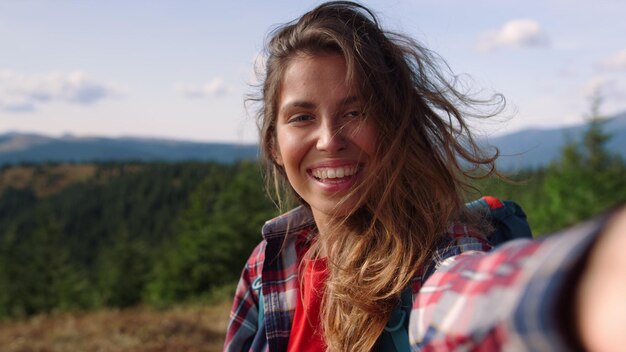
column 601, row 295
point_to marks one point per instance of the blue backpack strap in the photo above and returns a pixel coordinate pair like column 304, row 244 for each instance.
column 256, row 285
column 398, row 324
column 507, row 217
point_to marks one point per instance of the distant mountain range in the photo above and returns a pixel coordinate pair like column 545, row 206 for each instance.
column 526, row 148
column 33, row 148
column 538, row 147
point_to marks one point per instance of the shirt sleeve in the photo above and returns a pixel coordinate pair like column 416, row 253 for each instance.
column 501, row 300
column 244, row 315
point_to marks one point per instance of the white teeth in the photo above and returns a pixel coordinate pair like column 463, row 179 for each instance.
column 339, row 172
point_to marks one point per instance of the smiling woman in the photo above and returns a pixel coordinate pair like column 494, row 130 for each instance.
column 361, row 126
column 324, row 140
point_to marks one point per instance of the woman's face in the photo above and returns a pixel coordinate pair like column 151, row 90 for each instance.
column 325, row 143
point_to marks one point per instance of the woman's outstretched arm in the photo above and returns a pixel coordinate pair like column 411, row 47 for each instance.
column 601, row 292
column 527, row 295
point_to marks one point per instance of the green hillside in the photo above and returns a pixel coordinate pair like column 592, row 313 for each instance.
column 120, row 234
column 87, row 236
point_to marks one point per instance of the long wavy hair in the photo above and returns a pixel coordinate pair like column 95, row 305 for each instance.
column 424, row 160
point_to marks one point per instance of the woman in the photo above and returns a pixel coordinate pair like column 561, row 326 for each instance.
column 364, row 130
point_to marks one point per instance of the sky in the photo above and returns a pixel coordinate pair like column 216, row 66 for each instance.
column 181, row 69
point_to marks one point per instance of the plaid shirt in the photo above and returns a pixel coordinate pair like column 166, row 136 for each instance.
column 468, row 298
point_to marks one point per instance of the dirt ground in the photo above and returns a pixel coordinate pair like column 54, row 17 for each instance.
column 185, row 328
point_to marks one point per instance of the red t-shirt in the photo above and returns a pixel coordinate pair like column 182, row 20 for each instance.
column 306, row 329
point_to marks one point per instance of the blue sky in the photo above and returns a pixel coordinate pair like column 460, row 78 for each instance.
column 180, row 69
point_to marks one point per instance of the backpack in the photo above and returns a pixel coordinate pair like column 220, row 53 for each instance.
column 509, row 222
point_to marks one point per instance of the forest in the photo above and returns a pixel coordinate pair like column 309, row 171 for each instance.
column 77, row 237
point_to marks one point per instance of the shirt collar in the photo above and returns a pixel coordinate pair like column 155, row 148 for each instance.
column 291, row 221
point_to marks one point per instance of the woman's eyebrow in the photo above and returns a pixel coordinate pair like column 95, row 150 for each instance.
column 309, row 105
column 298, row 104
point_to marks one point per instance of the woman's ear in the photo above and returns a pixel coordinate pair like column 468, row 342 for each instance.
column 278, row 159
column 275, row 153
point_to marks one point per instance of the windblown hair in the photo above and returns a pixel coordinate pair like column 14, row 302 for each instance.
column 414, row 188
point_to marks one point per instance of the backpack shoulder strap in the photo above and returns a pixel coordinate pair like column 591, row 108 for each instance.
column 398, row 324
column 258, row 287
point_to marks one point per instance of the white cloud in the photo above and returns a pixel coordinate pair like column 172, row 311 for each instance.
column 23, row 92
column 617, row 61
column 212, row 89
column 606, row 88
column 16, row 104
column 521, row 33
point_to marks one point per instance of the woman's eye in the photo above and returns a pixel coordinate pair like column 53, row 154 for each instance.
column 355, row 113
column 300, row 118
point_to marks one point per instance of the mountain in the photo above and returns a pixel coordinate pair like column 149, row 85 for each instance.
column 526, row 148
column 537, row 147
column 33, row 148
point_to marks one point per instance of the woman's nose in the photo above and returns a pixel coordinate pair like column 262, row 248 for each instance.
column 331, row 137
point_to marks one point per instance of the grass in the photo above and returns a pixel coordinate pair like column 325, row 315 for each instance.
column 182, row 328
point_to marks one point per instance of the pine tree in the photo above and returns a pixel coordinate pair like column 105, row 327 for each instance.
column 587, row 178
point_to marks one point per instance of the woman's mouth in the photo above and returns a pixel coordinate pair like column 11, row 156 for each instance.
column 334, row 174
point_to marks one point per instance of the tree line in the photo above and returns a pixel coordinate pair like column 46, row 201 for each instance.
column 159, row 234
column 151, row 233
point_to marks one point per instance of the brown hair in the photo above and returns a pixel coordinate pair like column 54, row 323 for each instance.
column 424, row 158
